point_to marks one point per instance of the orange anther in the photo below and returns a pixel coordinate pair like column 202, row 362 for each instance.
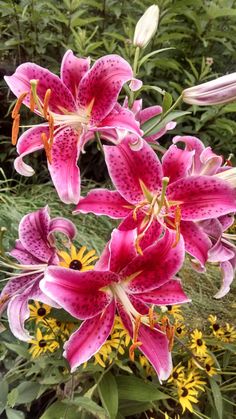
column 177, row 225
column 51, row 129
column 18, row 104
column 45, row 103
column 152, row 318
column 15, row 129
column 46, row 147
column 169, row 330
column 4, row 299
column 32, row 102
column 132, row 349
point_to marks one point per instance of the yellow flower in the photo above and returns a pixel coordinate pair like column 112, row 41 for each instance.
column 187, row 393
column 42, row 344
column 117, row 343
column 146, row 365
column 229, row 333
column 59, row 328
column 198, row 344
column 78, row 260
column 209, row 366
column 180, row 330
column 177, row 374
column 38, row 311
column 215, row 327
column 176, row 312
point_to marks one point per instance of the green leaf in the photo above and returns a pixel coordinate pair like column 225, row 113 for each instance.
column 155, row 124
column 59, row 410
column 12, row 397
column 167, row 102
column 128, row 408
column 108, row 393
column 217, row 397
column 90, row 406
column 145, row 58
column 26, row 392
column 133, row 388
column 3, row 394
column 14, row 414
column 20, row 349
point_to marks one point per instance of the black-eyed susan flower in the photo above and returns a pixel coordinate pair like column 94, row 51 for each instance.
column 210, row 366
column 177, row 374
column 176, row 312
column 78, row 260
column 198, row 344
column 42, row 344
column 38, row 311
column 229, row 333
column 187, row 393
column 61, row 329
column 180, row 330
column 215, row 326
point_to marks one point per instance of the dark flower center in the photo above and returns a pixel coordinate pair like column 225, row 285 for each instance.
column 215, row 327
column 184, row 392
column 199, row 342
column 58, row 323
column 76, row 265
column 179, row 330
column 42, row 343
column 208, row 367
column 175, row 375
column 169, row 307
column 41, row 311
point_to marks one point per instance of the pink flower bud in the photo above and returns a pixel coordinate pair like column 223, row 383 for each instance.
column 221, row 90
column 146, row 27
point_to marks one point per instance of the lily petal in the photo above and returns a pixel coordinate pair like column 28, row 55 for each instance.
column 201, row 198
column 122, row 119
column 169, row 293
column 60, row 97
column 176, row 163
column 149, row 113
column 122, row 249
column 72, row 71
column 227, row 272
column 33, row 233
column 100, row 86
column 156, row 266
column 63, row 169
column 79, row 293
column 89, row 338
column 104, row 202
column 129, row 168
column 23, row 256
column 62, row 225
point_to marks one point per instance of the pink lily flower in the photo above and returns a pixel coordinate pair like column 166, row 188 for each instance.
column 34, row 250
column 222, row 251
column 150, row 195
column 74, row 106
column 127, row 282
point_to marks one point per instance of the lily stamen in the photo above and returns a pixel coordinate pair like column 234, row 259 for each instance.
column 15, row 129
column 46, row 102
column 132, row 348
column 177, row 225
column 152, row 317
column 34, row 84
column 46, row 147
column 18, row 104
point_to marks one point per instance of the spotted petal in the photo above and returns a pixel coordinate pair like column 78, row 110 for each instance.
column 176, row 163
column 122, row 249
column 72, row 71
column 79, row 293
column 89, row 338
column 99, row 88
column 167, row 294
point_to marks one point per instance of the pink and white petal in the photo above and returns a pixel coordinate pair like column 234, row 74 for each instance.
column 227, row 273
column 60, row 97
column 211, row 162
column 122, row 249
column 192, row 144
column 156, row 266
column 17, row 313
column 23, row 256
column 79, row 293
column 169, row 293
column 29, row 142
column 155, row 348
column 149, row 113
column 104, row 202
column 221, row 251
column 62, row 225
column 63, row 169
column 197, row 242
column 72, row 71
column 88, row 339
column 18, row 284
column 202, row 197
column 101, row 85
column 176, row 163
column 226, row 221
column 128, row 168
column 103, row 263
column 122, row 119
column 33, row 233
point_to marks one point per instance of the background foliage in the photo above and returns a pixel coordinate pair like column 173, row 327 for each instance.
column 203, row 37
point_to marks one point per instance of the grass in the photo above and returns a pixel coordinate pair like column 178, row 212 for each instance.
column 94, row 232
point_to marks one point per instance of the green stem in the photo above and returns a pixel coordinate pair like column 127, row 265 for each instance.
column 135, row 68
column 100, row 147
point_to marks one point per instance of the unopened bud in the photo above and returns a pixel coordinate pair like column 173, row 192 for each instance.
column 146, row 27
column 221, row 90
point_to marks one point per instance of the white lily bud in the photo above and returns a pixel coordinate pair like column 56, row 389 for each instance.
column 146, row 27
column 229, row 176
column 214, row 92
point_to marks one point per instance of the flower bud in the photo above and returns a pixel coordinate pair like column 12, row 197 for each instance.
column 221, row 90
column 146, row 27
